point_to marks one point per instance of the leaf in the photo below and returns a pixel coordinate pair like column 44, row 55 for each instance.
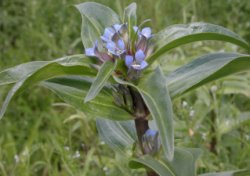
column 71, row 89
column 95, row 18
column 176, row 35
column 70, row 65
column 158, row 166
column 229, row 173
column 130, row 16
column 205, row 69
column 14, row 74
column 153, row 90
column 119, row 135
column 183, row 163
column 103, row 75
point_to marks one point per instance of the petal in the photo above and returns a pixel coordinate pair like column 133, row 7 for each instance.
column 111, row 46
column 129, row 60
column 123, row 29
column 151, row 133
column 108, row 33
column 117, row 27
column 144, row 64
column 142, row 44
column 135, row 28
column 139, row 56
column 121, row 44
column 90, row 52
column 146, row 32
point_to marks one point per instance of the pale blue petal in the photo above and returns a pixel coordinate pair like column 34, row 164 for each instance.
column 108, row 33
column 151, row 133
column 117, row 27
column 128, row 60
column 146, row 32
column 135, row 28
column 139, row 56
column 111, row 46
column 90, row 52
column 121, row 44
column 144, row 64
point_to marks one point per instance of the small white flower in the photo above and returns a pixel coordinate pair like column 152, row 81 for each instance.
column 67, row 148
column 214, row 88
column 76, row 155
column 102, row 143
column 191, row 113
column 17, row 159
column 184, row 104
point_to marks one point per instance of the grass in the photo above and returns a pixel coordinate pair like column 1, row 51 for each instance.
column 41, row 137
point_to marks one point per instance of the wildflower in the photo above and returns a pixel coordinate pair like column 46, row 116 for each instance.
column 151, row 141
column 17, row 159
column 76, row 155
column 137, row 63
column 116, row 44
column 191, row 113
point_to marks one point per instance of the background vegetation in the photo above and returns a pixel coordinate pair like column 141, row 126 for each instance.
column 42, row 136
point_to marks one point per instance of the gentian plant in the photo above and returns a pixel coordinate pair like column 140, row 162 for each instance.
column 119, row 83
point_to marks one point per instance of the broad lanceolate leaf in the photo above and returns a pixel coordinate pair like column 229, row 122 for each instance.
column 229, row 173
column 176, row 35
column 205, row 69
column 95, row 17
column 102, row 77
column 14, row 74
column 119, row 135
column 183, row 164
column 153, row 90
column 70, row 65
column 71, row 89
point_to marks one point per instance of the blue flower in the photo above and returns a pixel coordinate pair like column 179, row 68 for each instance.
column 117, row 44
column 92, row 51
column 146, row 32
column 151, row 141
column 137, row 63
column 117, row 48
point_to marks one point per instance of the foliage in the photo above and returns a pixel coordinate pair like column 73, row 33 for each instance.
column 153, row 87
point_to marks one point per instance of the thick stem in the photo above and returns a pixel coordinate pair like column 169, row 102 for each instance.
column 141, row 121
column 141, row 125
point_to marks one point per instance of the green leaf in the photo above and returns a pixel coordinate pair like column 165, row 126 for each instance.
column 119, row 135
column 130, row 14
column 102, row 77
column 14, row 74
column 71, row 89
column 229, row 173
column 158, row 166
column 95, row 18
column 183, row 163
column 70, row 65
column 153, row 90
column 205, row 69
column 130, row 17
column 176, row 35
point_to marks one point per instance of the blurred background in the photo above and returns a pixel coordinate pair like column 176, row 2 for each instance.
column 40, row 135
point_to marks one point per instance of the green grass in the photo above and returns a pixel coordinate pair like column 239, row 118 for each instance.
column 39, row 137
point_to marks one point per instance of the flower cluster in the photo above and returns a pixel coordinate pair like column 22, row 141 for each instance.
column 118, row 43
